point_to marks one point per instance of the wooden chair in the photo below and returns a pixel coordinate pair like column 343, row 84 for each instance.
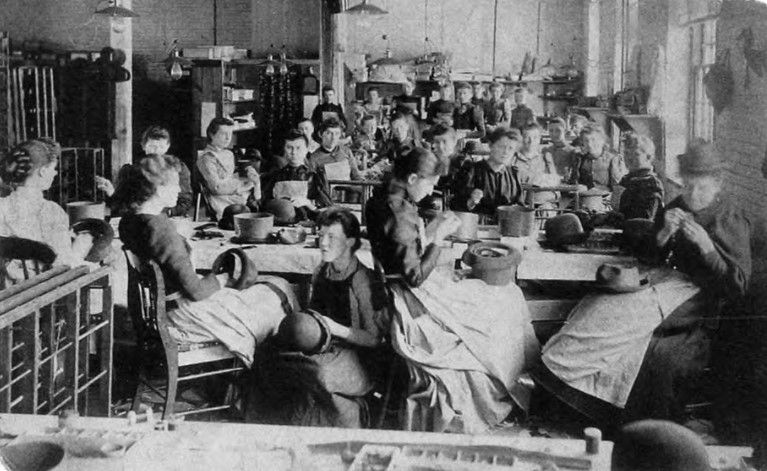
column 148, row 306
column 366, row 191
column 30, row 256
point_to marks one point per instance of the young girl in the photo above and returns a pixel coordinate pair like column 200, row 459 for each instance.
column 465, row 342
column 207, row 309
column 353, row 302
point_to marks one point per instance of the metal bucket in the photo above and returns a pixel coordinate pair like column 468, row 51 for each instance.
column 516, row 221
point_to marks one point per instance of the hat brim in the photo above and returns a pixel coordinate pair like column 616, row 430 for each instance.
column 644, row 283
column 562, row 242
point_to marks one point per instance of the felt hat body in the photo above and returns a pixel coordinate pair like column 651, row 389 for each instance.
column 564, row 229
column 700, row 158
column 103, row 235
column 652, row 445
column 620, row 279
column 283, row 210
column 33, row 456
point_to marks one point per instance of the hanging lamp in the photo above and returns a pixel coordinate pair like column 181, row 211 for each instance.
column 365, row 8
column 114, row 10
column 174, row 63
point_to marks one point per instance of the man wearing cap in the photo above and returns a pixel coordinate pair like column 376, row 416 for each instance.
column 493, row 182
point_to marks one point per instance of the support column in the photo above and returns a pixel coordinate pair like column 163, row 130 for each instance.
column 592, row 48
column 121, row 37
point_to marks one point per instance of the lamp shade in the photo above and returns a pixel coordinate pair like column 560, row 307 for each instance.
column 365, row 8
column 116, row 11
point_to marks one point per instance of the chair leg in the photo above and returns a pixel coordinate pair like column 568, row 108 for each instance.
column 197, row 207
column 172, row 389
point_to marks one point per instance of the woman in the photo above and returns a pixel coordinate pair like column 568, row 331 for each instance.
column 487, row 184
column 308, row 190
column 207, row 309
column 353, row 302
column 29, row 169
column 217, row 166
column 628, row 356
column 457, row 336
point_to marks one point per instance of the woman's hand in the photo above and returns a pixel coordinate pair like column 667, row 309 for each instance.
column 105, row 185
column 671, row 222
column 300, row 202
column 695, row 233
column 475, row 198
column 224, row 280
column 446, row 226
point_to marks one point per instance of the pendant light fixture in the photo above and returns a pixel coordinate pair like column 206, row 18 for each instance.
column 174, row 63
column 365, row 8
column 112, row 9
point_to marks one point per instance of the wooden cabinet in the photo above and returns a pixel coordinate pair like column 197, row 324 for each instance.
column 236, row 89
column 559, row 94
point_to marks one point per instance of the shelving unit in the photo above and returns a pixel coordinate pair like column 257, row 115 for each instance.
column 559, row 94
column 211, row 78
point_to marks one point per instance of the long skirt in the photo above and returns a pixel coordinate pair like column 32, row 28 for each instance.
column 238, row 319
column 466, row 344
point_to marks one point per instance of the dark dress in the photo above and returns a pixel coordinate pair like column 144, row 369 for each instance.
column 471, row 117
column 500, row 188
column 521, row 116
column 328, row 108
column 317, row 186
column 354, row 298
column 643, row 196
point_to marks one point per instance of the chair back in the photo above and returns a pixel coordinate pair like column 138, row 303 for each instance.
column 147, row 303
column 29, row 257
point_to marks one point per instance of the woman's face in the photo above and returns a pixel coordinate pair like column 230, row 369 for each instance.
column 531, row 138
column 700, row 191
column 497, row 93
column 593, row 144
column 48, row 174
column 168, row 192
column 399, row 130
column 502, row 151
column 306, row 128
column 420, row 187
column 295, row 152
column 331, row 137
column 557, row 133
column 156, row 146
column 333, row 243
column 444, row 145
column 223, row 137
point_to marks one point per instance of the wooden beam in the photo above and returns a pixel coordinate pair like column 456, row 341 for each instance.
column 121, row 37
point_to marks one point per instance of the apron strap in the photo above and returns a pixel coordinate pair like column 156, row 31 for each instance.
column 286, row 306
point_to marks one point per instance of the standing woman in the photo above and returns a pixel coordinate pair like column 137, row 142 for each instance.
column 207, row 310
column 465, row 342
column 29, row 169
column 217, row 168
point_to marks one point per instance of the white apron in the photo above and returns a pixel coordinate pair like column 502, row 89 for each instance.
column 601, row 348
column 291, row 189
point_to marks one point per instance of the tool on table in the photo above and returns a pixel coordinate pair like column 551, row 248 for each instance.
column 146, row 415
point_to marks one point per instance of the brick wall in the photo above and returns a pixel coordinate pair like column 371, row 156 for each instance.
column 740, row 128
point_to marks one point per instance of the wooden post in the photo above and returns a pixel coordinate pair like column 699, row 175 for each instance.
column 121, row 37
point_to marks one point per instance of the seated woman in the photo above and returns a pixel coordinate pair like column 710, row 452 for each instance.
column 493, row 182
column 29, row 169
column 353, row 301
column 626, row 356
column 596, row 166
column 217, row 169
column 156, row 141
column 465, row 342
column 306, row 189
column 207, row 310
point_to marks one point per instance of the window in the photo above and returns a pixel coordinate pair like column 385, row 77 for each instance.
column 702, row 57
